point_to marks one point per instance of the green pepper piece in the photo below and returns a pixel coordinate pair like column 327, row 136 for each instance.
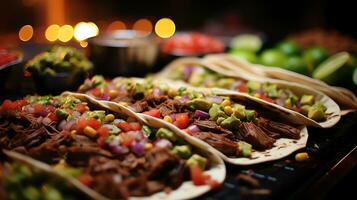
column 183, row 151
column 197, row 160
column 167, row 134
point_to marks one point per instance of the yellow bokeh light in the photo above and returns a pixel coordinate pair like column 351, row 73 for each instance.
column 65, row 33
column 51, row 33
column 83, row 44
column 116, row 25
column 143, row 25
column 85, row 30
column 26, row 33
column 165, row 28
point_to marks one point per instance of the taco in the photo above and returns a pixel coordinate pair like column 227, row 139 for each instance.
column 310, row 106
column 346, row 99
column 243, row 132
column 111, row 153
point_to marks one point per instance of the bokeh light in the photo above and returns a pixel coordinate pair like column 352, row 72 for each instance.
column 51, row 33
column 65, row 33
column 83, row 44
column 116, row 25
column 165, row 28
column 26, row 33
column 85, row 30
column 143, row 25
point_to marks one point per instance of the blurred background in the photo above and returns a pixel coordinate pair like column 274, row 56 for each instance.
column 276, row 19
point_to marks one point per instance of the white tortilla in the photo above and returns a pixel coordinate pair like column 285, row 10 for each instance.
column 333, row 110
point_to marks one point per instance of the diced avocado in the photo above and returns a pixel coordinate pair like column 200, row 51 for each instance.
column 183, row 151
column 288, row 103
column 250, row 115
column 197, row 160
column 239, row 111
column 196, row 78
column 194, row 94
column 216, row 111
column 181, row 91
column 220, row 120
column 317, row 112
column 61, row 113
column 113, row 130
column 307, row 100
column 44, row 100
column 225, row 83
column 49, row 71
column 272, row 90
column 231, row 123
column 167, row 134
column 69, row 102
column 253, row 86
column 97, row 80
column 305, row 109
column 98, row 114
column 139, row 89
column 245, row 148
column 146, row 130
column 199, row 104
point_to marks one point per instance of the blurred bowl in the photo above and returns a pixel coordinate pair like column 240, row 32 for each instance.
column 59, row 82
column 7, row 69
column 123, row 53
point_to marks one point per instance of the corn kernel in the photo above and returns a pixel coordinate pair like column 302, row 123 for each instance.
column 148, row 146
column 87, row 108
column 123, row 103
column 73, row 132
column 256, row 95
column 90, row 132
column 171, row 93
column 228, row 110
column 168, row 119
column 113, row 93
column 300, row 157
column 226, row 102
column 109, row 118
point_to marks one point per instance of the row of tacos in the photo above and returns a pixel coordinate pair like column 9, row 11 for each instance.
column 166, row 136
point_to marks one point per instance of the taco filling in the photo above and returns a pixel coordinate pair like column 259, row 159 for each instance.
column 270, row 92
column 232, row 127
column 115, row 155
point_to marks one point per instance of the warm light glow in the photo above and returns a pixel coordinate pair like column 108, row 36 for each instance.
column 85, row 30
column 116, row 25
column 26, row 33
column 165, row 28
column 143, row 25
column 83, row 44
column 51, row 33
column 65, row 33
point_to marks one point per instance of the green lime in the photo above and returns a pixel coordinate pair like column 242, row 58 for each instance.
column 296, row 64
column 272, row 57
column 314, row 56
column 246, row 55
column 249, row 42
column 289, row 48
column 336, row 69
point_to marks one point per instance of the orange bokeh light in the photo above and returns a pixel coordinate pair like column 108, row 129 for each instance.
column 143, row 25
column 26, row 33
column 116, row 25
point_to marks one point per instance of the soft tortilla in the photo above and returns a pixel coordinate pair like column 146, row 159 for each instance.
column 333, row 110
column 345, row 98
column 187, row 190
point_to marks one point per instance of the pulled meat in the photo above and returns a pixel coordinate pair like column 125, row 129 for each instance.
column 219, row 141
column 254, row 135
column 211, row 126
column 282, row 130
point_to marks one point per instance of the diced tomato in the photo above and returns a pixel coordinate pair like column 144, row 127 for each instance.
column 124, row 126
column 187, row 131
column 103, row 132
column 213, row 183
column 94, row 123
column 135, row 126
column 81, row 108
column 21, row 103
column 101, row 141
column 96, row 92
column 53, row 117
column 153, row 112
column 197, row 176
column 38, row 108
column 7, row 105
column 182, row 120
column 299, row 110
column 265, row 98
column 86, row 179
column 127, row 142
column 242, row 88
column 81, row 124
